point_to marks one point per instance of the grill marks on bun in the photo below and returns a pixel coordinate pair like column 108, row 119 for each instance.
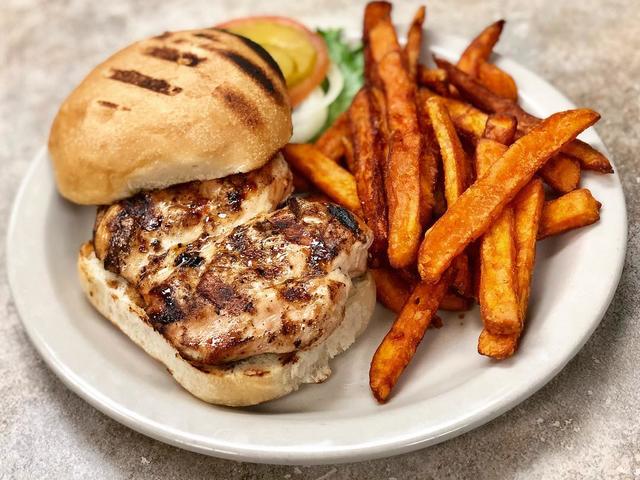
column 250, row 68
column 260, row 51
column 194, row 91
column 217, row 43
column 242, row 106
column 141, row 80
column 174, row 55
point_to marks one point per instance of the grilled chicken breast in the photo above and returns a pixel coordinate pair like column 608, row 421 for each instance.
column 229, row 288
column 132, row 237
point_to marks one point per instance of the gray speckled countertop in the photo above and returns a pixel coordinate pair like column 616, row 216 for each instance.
column 584, row 424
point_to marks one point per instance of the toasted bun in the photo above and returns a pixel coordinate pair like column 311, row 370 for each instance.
column 247, row 382
column 183, row 106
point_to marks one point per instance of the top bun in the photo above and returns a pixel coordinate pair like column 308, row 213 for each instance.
column 183, row 106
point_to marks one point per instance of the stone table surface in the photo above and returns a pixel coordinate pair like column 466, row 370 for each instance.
column 583, row 424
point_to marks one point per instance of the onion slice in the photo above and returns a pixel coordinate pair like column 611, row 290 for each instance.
column 310, row 116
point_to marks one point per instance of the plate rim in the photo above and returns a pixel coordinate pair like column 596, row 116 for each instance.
column 365, row 450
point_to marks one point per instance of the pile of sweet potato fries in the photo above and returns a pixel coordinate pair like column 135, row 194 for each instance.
column 448, row 170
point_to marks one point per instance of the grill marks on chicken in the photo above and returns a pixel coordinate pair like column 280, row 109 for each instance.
column 248, row 282
column 135, row 236
column 276, row 284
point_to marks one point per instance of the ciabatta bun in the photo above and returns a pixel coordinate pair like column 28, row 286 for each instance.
column 183, row 106
column 246, row 382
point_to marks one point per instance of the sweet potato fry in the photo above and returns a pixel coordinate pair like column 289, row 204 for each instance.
column 456, row 175
column 384, row 40
column 328, row 177
column 527, row 208
column 452, row 302
column 414, row 43
column 454, row 158
column 374, row 14
column 589, row 157
column 468, row 120
column 391, row 289
column 399, row 345
column 572, row 210
column 498, row 347
column 472, row 214
column 402, row 178
column 367, row 167
column 562, row 173
column 498, row 293
column 433, row 78
column 497, row 80
column 480, row 48
column 330, row 142
column 429, row 160
column 349, row 156
column 500, row 128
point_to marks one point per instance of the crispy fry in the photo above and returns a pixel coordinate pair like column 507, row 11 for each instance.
column 456, row 175
column 329, row 177
column 480, row 48
column 497, row 80
column 384, row 40
column 392, row 290
column 454, row 158
column 349, row 158
column 330, row 142
column 452, row 302
column 374, row 13
column 500, row 128
column 367, row 168
column 562, row 173
column 572, row 210
column 589, row 157
column 399, row 345
column 472, row 214
column 468, row 120
column 414, row 43
column 527, row 208
column 433, row 78
column 429, row 160
column 498, row 347
column 402, row 178
column 498, row 293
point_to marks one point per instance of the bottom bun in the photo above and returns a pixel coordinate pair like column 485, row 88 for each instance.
column 245, row 382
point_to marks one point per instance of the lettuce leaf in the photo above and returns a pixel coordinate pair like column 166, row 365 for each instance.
column 350, row 61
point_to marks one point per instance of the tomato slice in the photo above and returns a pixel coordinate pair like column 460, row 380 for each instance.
column 301, row 54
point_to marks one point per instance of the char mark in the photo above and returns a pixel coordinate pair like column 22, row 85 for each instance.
column 244, row 109
column 136, row 213
column 106, row 104
column 255, row 72
column 208, row 36
column 260, row 51
column 174, row 55
column 345, row 217
column 114, row 106
column 225, row 298
column 138, row 79
column 163, row 308
column 188, row 259
column 294, row 292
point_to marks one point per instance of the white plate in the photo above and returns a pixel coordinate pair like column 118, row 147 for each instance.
column 448, row 389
